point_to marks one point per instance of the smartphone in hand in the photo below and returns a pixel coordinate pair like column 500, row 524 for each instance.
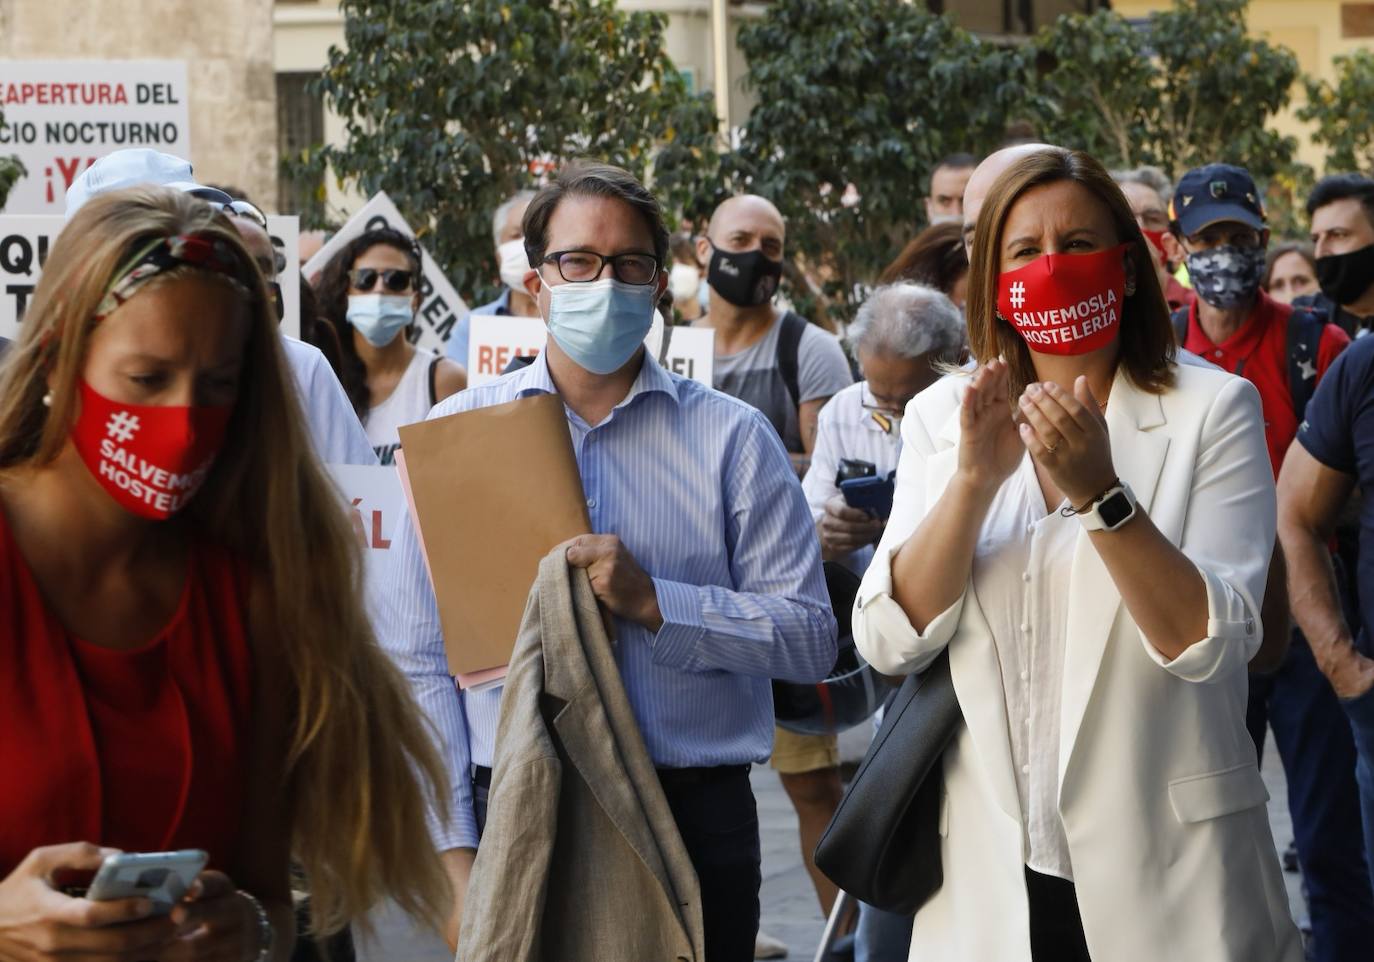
column 162, row 877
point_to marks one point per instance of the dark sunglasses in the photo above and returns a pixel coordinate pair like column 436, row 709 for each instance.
column 395, row 279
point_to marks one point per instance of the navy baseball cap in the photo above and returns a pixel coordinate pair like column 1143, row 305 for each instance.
column 1215, row 193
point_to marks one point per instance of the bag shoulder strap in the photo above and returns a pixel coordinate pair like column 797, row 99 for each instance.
column 1180, row 322
column 789, row 349
column 1305, row 329
column 433, row 380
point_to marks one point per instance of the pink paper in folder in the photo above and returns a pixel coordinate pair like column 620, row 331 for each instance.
column 468, row 681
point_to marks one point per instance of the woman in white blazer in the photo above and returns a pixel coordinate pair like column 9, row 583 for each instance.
column 1085, row 523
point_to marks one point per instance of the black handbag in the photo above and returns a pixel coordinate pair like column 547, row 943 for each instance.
column 883, row 845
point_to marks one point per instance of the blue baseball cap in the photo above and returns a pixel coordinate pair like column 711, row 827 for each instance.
column 1215, row 193
column 137, row 165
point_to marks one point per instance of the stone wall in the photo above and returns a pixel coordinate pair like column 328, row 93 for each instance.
column 228, row 52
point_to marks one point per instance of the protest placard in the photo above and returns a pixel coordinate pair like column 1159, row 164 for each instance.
column 495, row 340
column 25, row 240
column 286, row 240
column 63, row 115
column 24, row 244
column 376, row 502
column 440, row 305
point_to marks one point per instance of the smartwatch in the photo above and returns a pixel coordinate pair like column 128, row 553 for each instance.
column 1111, row 510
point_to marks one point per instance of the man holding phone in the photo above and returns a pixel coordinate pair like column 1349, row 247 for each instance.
column 901, row 335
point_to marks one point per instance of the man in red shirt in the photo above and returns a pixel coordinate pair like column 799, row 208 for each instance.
column 1218, row 220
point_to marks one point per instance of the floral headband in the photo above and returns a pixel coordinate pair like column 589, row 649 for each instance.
column 165, row 254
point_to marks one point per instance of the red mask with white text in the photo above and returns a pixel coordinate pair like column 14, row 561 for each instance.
column 151, row 460
column 1156, row 239
column 1065, row 303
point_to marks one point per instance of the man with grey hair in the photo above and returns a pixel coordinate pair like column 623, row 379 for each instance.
column 508, row 234
column 1146, row 189
column 902, row 335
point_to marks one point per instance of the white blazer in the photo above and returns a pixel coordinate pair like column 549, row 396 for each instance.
column 1159, row 792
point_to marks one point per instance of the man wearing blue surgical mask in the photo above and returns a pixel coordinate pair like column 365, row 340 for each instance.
column 703, row 549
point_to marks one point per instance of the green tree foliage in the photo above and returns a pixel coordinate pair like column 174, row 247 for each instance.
column 1189, row 87
column 868, row 93
column 10, row 172
column 452, row 105
column 1343, row 113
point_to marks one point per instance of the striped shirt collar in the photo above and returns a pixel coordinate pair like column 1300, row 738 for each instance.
column 535, row 379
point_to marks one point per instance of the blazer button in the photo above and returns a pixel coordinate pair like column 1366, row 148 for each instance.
column 1250, row 626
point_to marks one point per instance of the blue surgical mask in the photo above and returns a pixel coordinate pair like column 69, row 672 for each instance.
column 379, row 317
column 600, row 324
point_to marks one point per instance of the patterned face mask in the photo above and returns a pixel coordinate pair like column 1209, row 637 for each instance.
column 1228, row 275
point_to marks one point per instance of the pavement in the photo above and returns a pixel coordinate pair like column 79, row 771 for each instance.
column 790, row 910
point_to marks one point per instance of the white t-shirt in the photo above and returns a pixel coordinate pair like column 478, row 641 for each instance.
column 334, row 428
column 407, row 403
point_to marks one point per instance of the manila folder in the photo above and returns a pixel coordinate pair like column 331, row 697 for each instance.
column 495, row 490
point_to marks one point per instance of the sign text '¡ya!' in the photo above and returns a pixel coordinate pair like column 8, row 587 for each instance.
column 85, row 94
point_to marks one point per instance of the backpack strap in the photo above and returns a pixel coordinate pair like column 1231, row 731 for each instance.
column 1305, row 328
column 789, row 347
column 433, row 380
column 1179, row 318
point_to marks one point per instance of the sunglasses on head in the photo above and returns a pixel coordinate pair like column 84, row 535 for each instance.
column 241, row 208
column 395, row 279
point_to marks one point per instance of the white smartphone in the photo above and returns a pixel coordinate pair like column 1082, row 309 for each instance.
column 163, row 877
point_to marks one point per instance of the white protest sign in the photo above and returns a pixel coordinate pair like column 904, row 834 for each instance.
column 375, row 501
column 495, row 340
column 60, row 116
column 24, row 244
column 25, row 240
column 691, row 351
column 286, row 241
column 440, row 305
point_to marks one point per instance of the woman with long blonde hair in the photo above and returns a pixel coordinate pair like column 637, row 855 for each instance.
column 187, row 661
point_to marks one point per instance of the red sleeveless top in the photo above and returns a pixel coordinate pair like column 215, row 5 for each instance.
column 144, row 750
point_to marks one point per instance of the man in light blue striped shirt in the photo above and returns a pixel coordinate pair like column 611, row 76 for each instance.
column 704, row 550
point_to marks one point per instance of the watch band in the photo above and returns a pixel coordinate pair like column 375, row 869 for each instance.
column 267, row 936
column 1118, row 498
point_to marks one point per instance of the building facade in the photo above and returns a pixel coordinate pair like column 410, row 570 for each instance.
column 1317, row 31
column 230, row 65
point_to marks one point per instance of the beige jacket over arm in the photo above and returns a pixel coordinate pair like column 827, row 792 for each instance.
column 581, row 860
column 1160, row 796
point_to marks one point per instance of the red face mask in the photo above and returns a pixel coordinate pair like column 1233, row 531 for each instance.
column 1156, row 239
column 1065, row 303
column 151, row 460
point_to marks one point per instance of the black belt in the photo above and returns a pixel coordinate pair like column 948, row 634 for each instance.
column 668, row 777
column 672, row 778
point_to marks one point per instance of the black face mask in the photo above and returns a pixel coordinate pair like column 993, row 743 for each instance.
column 746, row 279
column 1345, row 277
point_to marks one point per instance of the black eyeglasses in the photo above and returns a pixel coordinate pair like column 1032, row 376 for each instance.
column 579, row 267
column 394, row 279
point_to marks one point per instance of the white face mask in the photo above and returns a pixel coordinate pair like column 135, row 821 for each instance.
column 683, row 281
column 515, row 264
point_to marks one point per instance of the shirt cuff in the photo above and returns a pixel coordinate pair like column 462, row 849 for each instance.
column 461, row 829
column 682, row 629
column 1233, row 636
column 883, row 632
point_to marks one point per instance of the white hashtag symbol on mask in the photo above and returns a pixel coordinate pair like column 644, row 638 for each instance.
column 122, row 426
column 1017, row 294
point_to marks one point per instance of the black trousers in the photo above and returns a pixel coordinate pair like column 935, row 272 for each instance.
column 719, row 822
column 1056, row 928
